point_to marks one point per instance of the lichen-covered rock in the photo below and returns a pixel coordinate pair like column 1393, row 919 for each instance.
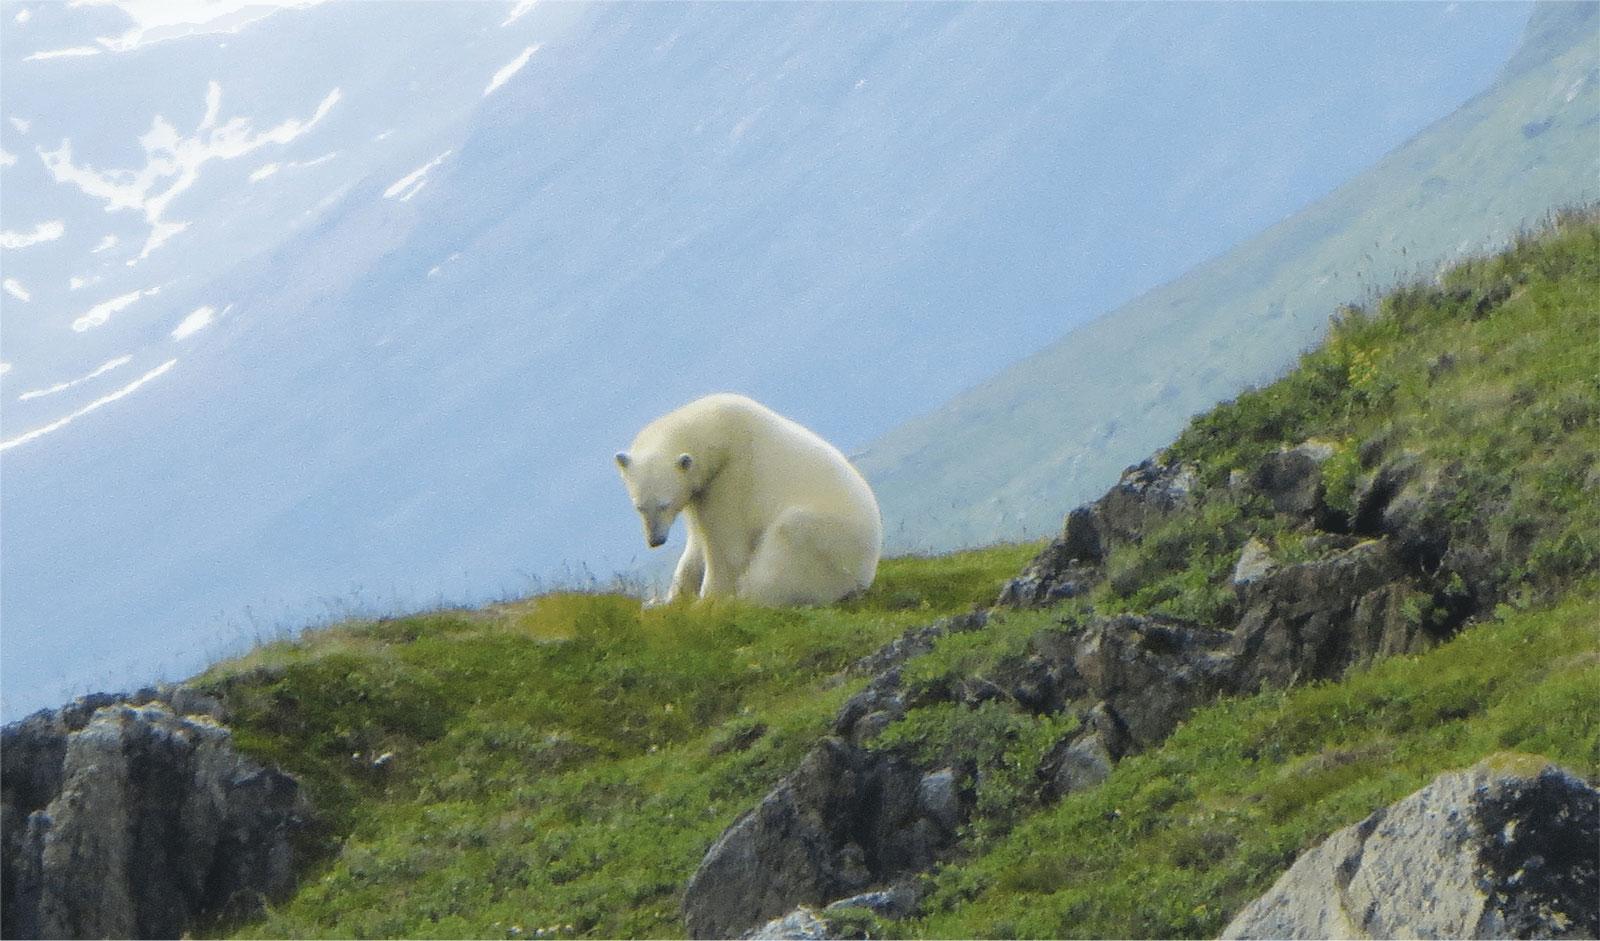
column 1507, row 849
column 1145, row 494
column 125, row 819
column 802, row 924
column 1255, row 562
column 894, row 902
column 806, row 923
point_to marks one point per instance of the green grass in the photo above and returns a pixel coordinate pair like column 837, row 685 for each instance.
column 560, row 761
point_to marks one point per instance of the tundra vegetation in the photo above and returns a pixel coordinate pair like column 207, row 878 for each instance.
column 557, row 766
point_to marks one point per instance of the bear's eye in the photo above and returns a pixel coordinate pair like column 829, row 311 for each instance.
column 639, row 507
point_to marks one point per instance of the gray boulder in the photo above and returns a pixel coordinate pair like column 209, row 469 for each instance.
column 1507, row 849
column 125, row 819
column 1069, row 566
column 1255, row 562
column 1144, row 495
column 895, row 902
column 807, row 924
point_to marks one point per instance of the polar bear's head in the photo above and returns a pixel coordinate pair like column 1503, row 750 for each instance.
column 659, row 486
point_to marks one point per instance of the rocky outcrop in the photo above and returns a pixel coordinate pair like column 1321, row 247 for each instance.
column 1507, row 849
column 846, row 819
column 808, row 924
column 853, row 817
column 1314, row 619
column 1071, row 564
column 1149, row 672
column 802, row 924
column 126, row 817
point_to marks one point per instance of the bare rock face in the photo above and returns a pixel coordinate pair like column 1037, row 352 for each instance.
column 1507, row 849
column 1312, row 620
column 127, row 819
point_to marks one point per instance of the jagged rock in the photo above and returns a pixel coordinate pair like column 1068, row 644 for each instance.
column 807, row 924
column 124, row 819
column 915, row 642
column 1145, row 494
column 1507, row 849
column 1314, row 619
column 1411, row 504
column 1150, row 672
column 1385, row 484
column 1071, row 564
column 882, row 701
column 847, row 818
column 1066, row 568
column 1075, row 764
column 1255, row 561
column 1291, row 479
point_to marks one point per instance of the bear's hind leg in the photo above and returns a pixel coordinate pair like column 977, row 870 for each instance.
column 806, row 557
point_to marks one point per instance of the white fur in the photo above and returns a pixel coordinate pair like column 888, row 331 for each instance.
column 776, row 515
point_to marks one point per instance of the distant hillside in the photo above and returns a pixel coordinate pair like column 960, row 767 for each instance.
column 1001, row 460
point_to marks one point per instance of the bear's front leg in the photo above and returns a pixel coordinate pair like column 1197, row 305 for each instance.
column 691, row 572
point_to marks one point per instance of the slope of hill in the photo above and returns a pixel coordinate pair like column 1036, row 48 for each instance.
column 558, row 766
column 1000, row 460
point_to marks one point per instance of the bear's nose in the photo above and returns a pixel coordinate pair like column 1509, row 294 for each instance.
column 657, row 542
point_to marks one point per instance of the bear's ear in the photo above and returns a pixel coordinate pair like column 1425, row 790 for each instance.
column 623, row 460
column 684, row 461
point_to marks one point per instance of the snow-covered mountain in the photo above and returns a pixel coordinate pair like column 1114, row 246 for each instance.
column 346, row 305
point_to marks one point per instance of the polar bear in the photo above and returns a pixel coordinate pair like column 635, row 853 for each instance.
column 776, row 515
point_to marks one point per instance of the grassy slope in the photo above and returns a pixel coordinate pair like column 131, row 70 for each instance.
column 1002, row 459
column 1180, row 838
column 566, row 760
